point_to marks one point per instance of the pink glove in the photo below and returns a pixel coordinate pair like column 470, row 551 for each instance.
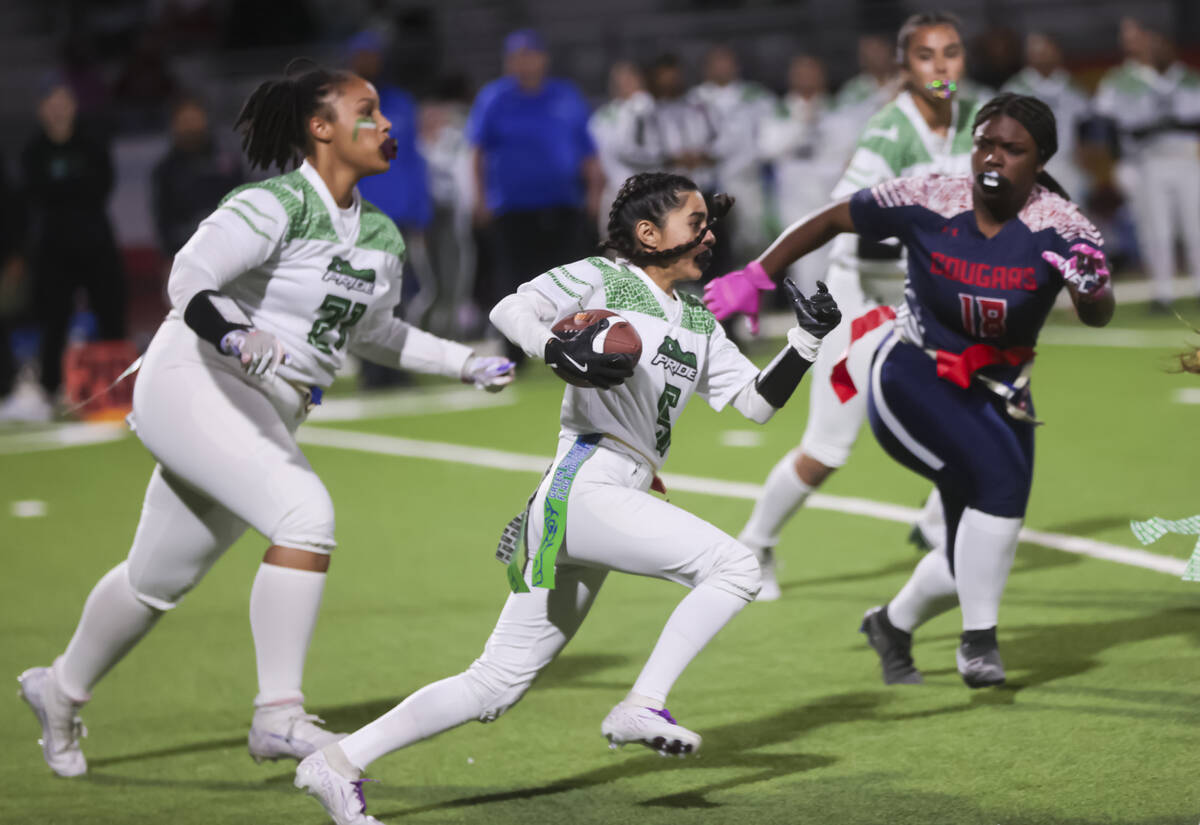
column 1087, row 271
column 738, row 292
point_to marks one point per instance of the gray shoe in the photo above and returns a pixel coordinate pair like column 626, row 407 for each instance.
column 894, row 647
column 978, row 658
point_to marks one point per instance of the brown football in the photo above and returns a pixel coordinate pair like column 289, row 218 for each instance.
column 620, row 337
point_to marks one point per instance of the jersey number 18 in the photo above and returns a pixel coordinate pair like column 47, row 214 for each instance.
column 983, row 317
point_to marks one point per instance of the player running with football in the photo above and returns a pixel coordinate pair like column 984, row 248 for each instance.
column 593, row 512
column 949, row 385
column 275, row 288
column 926, row 129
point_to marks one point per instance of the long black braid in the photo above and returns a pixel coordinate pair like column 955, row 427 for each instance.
column 1038, row 120
column 649, row 196
column 273, row 121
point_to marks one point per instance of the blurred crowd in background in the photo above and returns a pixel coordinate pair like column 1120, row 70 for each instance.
column 494, row 185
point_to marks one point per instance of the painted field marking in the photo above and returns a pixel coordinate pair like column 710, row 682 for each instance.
column 521, row 462
column 30, row 508
column 58, row 437
column 1188, row 395
column 740, row 438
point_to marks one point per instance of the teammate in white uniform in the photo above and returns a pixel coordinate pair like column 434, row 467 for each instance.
column 283, row 280
column 593, row 513
column 926, row 129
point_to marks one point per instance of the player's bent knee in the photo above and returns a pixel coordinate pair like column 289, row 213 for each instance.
column 738, row 572
column 159, row 590
column 495, row 690
column 308, row 526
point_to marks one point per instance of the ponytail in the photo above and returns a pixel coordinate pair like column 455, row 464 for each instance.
column 274, row 119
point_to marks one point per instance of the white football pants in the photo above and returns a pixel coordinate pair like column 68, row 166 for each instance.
column 1167, row 205
column 227, row 459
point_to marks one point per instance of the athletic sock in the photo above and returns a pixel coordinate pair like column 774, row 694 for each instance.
column 284, row 603
column 930, row 591
column 694, row 622
column 113, row 621
column 783, row 494
column 434, row 708
column 984, row 549
column 932, row 521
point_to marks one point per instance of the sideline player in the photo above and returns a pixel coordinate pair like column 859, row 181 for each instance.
column 284, row 279
column 615, row 435
column 949, row 385
column 926, row 129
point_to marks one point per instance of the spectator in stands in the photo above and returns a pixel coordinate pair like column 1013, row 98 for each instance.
column 66, row 178
column 739, row 107
column 10, row 274
column 1155, row 102
column 190, row 180
column 799, row 140
column 1045, row 78
column 627, row 99
column 878, row 78
column 536, row 172
column 443, row 143
column 679, row 134
column 143, row 87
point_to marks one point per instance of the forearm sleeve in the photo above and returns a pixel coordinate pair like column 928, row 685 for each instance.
column 775, row 384
column 525, row 318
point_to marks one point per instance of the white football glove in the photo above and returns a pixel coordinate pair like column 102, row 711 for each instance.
column 490, row 372
column 260, row 352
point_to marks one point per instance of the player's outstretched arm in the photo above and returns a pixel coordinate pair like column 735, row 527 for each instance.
column 384, row 339
column 738, row 291
column 1088, row 281
column 816, row 317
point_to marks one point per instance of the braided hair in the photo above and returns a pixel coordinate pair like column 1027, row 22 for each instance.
column 649, row 196
column 274, row 119
column 1038, row 120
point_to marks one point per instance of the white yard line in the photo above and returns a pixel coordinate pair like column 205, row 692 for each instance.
column 521, row 462
column 56, row 438
column 1188, row 395
column 409, row 402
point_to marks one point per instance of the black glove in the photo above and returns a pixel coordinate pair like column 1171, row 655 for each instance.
column 817, row 315
column 575, row 362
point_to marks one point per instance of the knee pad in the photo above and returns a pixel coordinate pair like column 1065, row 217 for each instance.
column 161, row 590
column 309, row 525
column 495, row 690
column 737, row 571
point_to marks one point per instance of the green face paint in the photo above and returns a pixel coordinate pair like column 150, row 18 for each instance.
column 363, row 123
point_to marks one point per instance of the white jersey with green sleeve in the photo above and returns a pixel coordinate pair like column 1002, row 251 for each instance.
column 1163, row 106
column 897, row 142
column 321, row 279
column 684, row 351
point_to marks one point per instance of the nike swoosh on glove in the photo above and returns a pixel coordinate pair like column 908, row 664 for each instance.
column 738, row 292
column 575, row 357
column 1087, row 271
column 490, row 372
column 260, row 352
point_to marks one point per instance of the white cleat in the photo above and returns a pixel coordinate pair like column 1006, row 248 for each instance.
column 59, row 718
column 770, row 591
column 342, row 798
column 656, row 729
column 287, row 732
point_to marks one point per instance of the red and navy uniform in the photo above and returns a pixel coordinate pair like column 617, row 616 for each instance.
column 973, row 306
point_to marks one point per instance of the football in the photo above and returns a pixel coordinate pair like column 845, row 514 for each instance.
column 619, row 337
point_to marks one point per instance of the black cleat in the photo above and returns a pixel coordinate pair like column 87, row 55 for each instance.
column 916, row 537
column 978, row 659
column 894, row 647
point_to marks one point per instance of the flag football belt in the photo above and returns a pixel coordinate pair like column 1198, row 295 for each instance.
column 310, row 394
column 512, row 549
column 843, row 384
column 960, row 368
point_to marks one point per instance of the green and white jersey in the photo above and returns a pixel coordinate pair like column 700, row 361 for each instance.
column 1138, row 97
column 897, row 142
column 323, row 280
column 684, row 351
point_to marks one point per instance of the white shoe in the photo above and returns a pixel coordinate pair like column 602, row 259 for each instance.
column 59, row 718
column 656, row 729
column 27, row 403
column 287, row 732
column 342, row 798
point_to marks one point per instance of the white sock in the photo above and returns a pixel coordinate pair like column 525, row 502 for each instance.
column 694, row 622
column 984, row 549
column 283, row 612
column 113, row 621
column 432, row 709
column 783, row 494
column 930, row 591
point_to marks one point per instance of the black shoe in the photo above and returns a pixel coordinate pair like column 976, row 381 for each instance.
column 894, row 647
column 916, row 537
column 978, row 659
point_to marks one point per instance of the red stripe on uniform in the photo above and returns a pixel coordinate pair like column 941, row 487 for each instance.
column 843, row 384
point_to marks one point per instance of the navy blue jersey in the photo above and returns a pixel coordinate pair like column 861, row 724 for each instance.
column 964, row 288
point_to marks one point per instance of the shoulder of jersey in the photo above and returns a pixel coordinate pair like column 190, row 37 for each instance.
column 947, row 195
column 1046, row 210
column 378, row 231
column 290, row 198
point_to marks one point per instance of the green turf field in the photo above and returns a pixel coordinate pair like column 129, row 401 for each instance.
column 1097, row 725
